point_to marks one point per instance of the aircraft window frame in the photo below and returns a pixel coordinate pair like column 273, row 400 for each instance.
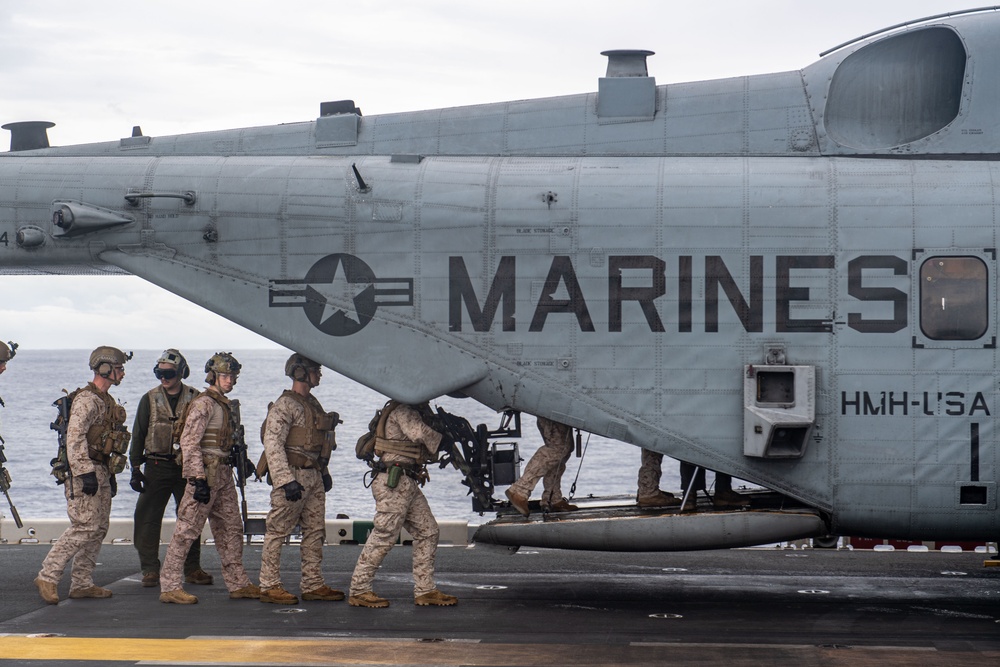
column 951, row 273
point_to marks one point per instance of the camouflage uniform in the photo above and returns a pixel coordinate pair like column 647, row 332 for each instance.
column 222, row 510
column 649, row 473
column 402, row 507
column 309, row 511
column 548, row 463
column 89, row 516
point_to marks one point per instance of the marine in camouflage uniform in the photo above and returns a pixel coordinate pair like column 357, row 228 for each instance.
column 407, row 445
column 298, row 438
column 93, row 416
column 210, row 495
column 156, row 473
column 547, row 464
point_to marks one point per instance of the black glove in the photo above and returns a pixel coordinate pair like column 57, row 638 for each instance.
column 202, row 493
column 89, row 481
column 138, row 480
column 113, row 481
column 327, row 481
column 293, row 491
column 249, row 469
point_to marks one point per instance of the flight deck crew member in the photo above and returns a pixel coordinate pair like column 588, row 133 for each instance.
column 408, row 444
column 547, row 464
column 206, row 441
column 649, row 493
column 298, row 438
column 153, row 445
column 95, row 429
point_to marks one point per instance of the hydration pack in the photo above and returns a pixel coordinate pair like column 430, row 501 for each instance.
column 365, row 449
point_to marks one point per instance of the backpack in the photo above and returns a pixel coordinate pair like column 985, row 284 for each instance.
column 365, row 449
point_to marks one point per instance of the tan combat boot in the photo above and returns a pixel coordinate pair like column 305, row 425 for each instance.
column 248, row 592
column 561, row 505
column 518, row 502
column 90, row 592
column 658, row 499
column 199, row 577
column 324, row 593
column 178, row 596
column 47, row 590
column 436, row 599
column 367, row 599
column 277, row 595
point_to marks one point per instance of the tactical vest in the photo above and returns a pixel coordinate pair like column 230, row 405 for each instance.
column 219, row 432
column 107, row 438
column 217, row 441
column 383, row 445
column 159, row 436
column 310, row 446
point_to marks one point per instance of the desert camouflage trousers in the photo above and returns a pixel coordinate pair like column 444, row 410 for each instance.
column 548, row 463
column 310, row 514
column 402, row 507
column 223, row 515
column 89, row 518
column 650, row 472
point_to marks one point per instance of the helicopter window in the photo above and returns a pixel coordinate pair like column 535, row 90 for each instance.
column 954, row 298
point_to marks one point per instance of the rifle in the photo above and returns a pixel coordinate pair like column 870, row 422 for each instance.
column 238, row 458
column 60, row 464
column 5, row 486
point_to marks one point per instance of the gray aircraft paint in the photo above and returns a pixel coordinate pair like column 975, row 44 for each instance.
column 621, row 264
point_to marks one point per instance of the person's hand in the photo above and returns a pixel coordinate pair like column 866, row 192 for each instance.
column 327, row 481
column 89, row 481
column 293, row 491
column 138, row 481
column 113, row 481
column 202, row 493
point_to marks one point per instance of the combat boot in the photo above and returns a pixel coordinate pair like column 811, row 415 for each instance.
column 561, row 505
column 150, row 579
column 658, row 499
column 178, row 596
column 90, row 592
column 367, row 599
column 248, row 592
column 277, row 595
column 47, row 590
column 323, row 593
column 729, row 500
column 435, row 598
column 199, row 577
column 518, row 502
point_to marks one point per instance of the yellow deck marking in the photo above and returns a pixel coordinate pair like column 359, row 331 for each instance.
column 323, row 651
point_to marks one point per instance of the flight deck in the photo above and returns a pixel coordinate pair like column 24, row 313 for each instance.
column 533, row 607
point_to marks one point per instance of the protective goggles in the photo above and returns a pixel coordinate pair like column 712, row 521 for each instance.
column 164, row 373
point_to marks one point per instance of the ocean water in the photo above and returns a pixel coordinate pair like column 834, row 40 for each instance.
column 36, row 378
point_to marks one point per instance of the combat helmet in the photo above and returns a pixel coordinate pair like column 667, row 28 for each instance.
column 105, row 357
column 221, row 362
column 7, row 353
column 172, row 356
column 298, row 366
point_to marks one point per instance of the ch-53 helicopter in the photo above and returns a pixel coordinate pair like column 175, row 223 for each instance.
column 789, row 277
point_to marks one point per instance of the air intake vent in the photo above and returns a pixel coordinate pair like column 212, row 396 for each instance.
column 897, row 90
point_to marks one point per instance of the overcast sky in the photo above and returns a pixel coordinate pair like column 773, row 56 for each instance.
column 97, row 68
